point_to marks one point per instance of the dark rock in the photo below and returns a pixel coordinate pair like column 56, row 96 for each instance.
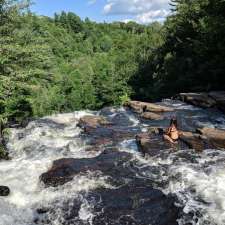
column 109, row 162
column 3, row 153
column 151, row 144
column 42, row 210
column 141, row 107
column 4, row 191
column 198, row 99
column 219, row 97
column 151, row 116
column 135, row 203
column 216, row 137
column 99, row 132
column 195, row 141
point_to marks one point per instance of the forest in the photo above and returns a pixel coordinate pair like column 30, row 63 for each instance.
column 62, row 63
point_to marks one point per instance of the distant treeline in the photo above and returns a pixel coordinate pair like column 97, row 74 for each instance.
column 62, row 64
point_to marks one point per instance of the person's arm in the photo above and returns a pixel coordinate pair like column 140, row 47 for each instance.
column 168, row 130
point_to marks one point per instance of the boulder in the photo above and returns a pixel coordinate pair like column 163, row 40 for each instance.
column 151, row 144
column 194, row 141
column 141, row 107
column 216, row 137
column 3, row 153
column 97, row 131
column 134, row 203
column 4, row 191
column 151, row 116
column 219, row 97
column 198, row 99
column 110, row 162
column 92, row 122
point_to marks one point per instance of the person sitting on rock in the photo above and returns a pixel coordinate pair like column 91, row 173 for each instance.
column 172, row 133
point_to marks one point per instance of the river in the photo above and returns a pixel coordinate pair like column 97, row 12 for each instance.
column 196, row 180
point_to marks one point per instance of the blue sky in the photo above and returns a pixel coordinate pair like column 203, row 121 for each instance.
column 141, row 11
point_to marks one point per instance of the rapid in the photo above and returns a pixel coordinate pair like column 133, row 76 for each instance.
column 196, row 180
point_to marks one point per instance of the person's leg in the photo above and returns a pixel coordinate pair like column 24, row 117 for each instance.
column 168, row 138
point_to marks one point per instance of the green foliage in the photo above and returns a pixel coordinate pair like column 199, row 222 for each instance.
column 192, row 57
column 62, row 64
column 65, row 64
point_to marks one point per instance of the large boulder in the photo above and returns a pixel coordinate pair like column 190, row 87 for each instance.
column 141, row 107
column 198, row 99
column 194, row 141
column 216, row 137
column 99, row 131
column 4, row 191
column 219, row 97
column 110, row 162
column 150, row 144
column 134, row 203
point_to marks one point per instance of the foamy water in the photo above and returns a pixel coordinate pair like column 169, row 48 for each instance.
column 198, row 181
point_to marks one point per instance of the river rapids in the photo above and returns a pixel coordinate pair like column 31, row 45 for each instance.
column 196, row 181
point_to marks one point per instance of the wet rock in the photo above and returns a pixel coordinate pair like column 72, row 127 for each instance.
column 92, row 122
column 4, row 191
column 198, row 99
column 151, row 144
column 141, row 107
column 110, row 162
column 98, row 131
column 219, row 97
column 194, row 141
column 216, row 137
column 4, row 155
column 136, row 203
column 151, row 116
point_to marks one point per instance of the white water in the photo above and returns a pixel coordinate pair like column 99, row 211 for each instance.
column 33, row 155
column 197, row 180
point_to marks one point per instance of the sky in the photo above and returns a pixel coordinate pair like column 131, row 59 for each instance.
column 141, row 11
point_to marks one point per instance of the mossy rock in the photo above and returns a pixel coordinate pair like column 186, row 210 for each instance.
column 3, row 153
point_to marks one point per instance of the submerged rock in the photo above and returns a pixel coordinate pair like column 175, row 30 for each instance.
column 141, row 107
column 4, row 191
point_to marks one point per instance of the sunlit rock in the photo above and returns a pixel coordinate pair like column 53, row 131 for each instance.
column 141, row 107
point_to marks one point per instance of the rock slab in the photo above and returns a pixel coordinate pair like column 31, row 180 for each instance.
column 141, row 107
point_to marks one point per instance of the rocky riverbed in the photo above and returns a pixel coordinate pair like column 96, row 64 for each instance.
column 113, row 167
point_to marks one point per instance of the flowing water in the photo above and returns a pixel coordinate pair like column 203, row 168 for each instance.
column 197, row 180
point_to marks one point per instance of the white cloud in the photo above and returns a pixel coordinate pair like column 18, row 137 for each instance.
column 144, row 11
